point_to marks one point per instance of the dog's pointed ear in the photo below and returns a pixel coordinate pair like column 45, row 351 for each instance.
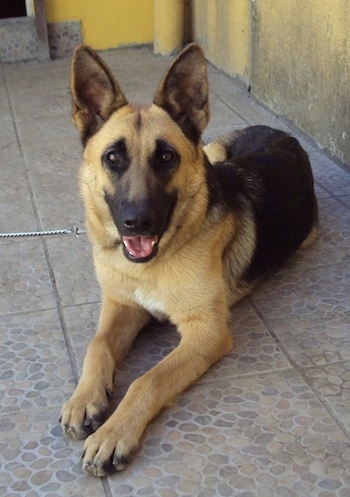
column 183, row 92
column 95, row 92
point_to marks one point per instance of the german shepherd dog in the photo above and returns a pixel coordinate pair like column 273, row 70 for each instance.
column 177, row 231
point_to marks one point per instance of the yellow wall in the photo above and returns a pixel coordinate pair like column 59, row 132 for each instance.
column 106, row 23
column 222, row 27
column 294, row 54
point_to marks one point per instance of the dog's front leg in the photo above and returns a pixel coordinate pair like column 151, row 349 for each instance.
column 111, row 447
column 117, row 328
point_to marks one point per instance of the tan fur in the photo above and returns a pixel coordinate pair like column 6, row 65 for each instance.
column 186, row 281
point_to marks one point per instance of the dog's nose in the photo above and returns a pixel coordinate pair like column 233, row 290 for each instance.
column 138, row 220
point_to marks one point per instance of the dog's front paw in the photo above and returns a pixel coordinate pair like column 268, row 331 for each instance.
column 84, row 412
column 108, row 450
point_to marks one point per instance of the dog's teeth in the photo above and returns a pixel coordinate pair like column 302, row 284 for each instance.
column 153, row 243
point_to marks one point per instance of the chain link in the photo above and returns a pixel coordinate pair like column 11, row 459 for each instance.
column 73, row 231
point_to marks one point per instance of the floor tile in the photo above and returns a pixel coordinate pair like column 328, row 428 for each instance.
column 332, row 177
column 52, row 181
column 261, row 436
column 315, row 342
column 35, row 369
column 345, row 199
column 36, row 460
column 332, row 383
column 333, row 241
column 81, row 323
column 71, row 261
column 25, row 279
column 306, row 293
column 39, row 76
column 16, row 204
column 48, row 139
column 222, row 120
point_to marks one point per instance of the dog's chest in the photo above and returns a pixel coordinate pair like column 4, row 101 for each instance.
column 151, row 301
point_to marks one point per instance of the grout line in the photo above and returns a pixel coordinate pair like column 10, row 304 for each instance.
column 301, row 370
column 231, row 107
column 19, row 144
column 44, row 243
column 331, row 194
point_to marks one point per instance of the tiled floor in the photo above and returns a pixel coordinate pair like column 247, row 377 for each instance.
column 273, row 419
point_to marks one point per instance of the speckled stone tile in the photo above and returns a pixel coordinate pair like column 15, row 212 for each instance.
column 37, row 461
column 307, row 293
column 334, row 231
column 34, row 365
column 332, row 177
column 332, row 383
column 259, row 436
column 345, row 199
column 25, row 279
column 321, row 192
column 63, row 38
column 71, row 260
column 315, row 342
column 18, row 39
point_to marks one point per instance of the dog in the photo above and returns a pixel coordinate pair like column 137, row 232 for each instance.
column 178, row 231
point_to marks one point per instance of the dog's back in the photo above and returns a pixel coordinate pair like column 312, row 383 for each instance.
column 271, row 175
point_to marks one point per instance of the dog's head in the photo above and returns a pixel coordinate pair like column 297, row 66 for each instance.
column 141, row 164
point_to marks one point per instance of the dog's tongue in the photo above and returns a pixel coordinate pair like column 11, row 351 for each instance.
column 140, row 246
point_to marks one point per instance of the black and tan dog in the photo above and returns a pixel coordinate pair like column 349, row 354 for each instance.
column 175, row 234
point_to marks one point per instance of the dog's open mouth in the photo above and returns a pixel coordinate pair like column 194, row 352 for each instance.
column 140, row 248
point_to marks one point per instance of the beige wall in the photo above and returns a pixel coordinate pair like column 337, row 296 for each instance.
column 294, row 54
column 222, row 27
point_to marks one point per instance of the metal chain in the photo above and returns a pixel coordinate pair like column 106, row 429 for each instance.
column 73, row 231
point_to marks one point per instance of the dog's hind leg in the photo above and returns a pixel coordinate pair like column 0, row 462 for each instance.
column 117, row 328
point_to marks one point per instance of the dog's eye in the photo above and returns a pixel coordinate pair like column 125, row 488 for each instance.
column 113, row 158
column 167, row 157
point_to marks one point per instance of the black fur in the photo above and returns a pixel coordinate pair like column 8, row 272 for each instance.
column 275, row 181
